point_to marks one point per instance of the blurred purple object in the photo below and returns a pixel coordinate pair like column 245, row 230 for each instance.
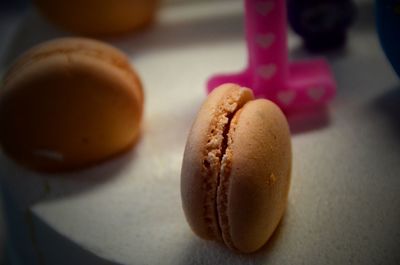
column 322, row 24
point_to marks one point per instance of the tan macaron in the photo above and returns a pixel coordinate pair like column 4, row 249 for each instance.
column 69, row 103
column 236, row 169
column 98, row 17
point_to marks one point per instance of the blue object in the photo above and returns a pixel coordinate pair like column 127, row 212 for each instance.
column 322, row 24
column 388, row 22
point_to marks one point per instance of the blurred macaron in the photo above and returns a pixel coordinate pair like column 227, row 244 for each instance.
column 69, row 103
column 98, row 17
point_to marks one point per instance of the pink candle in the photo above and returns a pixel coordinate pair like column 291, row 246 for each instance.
column 292, row 86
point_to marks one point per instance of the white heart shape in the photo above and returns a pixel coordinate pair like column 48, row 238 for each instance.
column 263, row 8
column 316, row 93
column 265, row 40
column 267, row 71
column 286, row 96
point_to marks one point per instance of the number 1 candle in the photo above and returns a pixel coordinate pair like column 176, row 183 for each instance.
column 293, row 86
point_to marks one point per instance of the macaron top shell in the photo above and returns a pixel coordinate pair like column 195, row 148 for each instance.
column 76, row 48
column 69, row 103
column 235, row 176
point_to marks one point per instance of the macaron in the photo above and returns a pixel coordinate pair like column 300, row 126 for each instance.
column 236, row 169
column 69, row 103
column 98, row 17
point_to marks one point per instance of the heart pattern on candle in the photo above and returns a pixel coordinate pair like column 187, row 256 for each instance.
column 267, row 71
column 265, row 40
column 263, row 8
column 316, row 93
column 286, row 96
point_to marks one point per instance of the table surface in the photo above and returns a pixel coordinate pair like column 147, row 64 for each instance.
column 344, row 201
